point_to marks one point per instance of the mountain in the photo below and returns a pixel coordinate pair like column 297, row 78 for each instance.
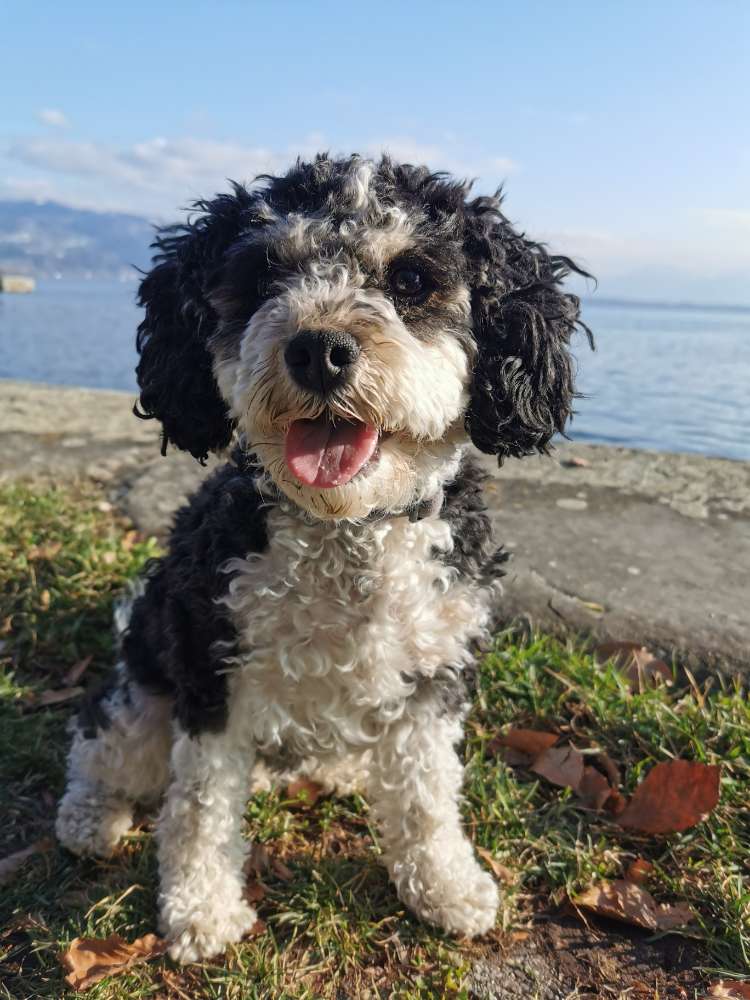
column 47, row 239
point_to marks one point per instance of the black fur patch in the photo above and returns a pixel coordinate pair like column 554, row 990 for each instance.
column 178, row 636
column 475, row 553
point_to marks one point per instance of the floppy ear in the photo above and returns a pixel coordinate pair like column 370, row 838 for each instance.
column 174, row 372
column 523, row 380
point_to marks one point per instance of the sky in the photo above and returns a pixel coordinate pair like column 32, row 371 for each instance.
column 619, row 130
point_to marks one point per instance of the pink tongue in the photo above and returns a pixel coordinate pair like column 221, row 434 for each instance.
column 325, row 455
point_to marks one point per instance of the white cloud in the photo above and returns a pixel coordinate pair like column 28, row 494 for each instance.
column 450, row 157
column 53, row 117
column 733, row 219
column 160, row 175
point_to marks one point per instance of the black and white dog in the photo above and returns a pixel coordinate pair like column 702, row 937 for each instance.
column 350, row 327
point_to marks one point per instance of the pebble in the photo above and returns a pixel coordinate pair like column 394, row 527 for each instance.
column 571, row 503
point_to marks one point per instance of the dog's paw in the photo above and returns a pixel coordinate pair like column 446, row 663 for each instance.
column 90, row 826
column 460, row 897
column 472, row 910
column 208, row 931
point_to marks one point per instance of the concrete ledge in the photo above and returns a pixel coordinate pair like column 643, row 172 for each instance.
column 621, row 543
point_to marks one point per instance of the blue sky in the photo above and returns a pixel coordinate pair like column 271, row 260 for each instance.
column 620, row 130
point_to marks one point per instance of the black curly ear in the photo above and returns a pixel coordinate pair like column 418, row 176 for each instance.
column 174, row 372
column 523, row 379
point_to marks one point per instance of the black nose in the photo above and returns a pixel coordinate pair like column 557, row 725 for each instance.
column 321, row 360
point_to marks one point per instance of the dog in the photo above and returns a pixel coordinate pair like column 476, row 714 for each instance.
column 349, row 329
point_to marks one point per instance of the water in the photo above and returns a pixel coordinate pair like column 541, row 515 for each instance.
column 670, row 379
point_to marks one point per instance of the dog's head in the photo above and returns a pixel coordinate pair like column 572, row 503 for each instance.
column 355, row 322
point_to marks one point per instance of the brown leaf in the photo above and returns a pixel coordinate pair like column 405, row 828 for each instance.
column 90, row 959
column 500, row 870
column 561, row 766
column 258, row 860
column 674, row 796
column 639, row 871
column 281, row 871
column 611, row 769
column 51, row 697
column 306, row 791
column 530, row 742
column 640, row 666
column 622, row 900
column 594, row 789
column 730, row 989
column 77, row 671
column 254, row 891
column 616, row 803
column 10, row 865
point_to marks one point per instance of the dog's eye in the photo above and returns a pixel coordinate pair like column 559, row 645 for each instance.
column 408, row 282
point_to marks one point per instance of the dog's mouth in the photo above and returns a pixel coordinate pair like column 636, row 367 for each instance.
column 326, row 453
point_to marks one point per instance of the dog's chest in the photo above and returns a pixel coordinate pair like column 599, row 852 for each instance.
column 335, row 622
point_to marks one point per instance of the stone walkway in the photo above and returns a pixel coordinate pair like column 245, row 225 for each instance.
column 622, row 543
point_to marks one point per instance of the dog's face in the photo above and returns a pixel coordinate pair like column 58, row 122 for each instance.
column 355, row 322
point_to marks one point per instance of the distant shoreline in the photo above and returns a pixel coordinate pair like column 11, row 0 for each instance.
column 608, row 302
column 615, row 303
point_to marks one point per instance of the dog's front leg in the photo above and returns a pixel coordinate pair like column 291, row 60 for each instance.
column 415, row 794
column 201, row 848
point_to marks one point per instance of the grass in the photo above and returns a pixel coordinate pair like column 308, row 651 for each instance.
column 334, row 927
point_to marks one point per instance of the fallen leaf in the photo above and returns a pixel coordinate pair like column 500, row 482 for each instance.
column 594, row 789
column 639, row 871
column 11, row 864
column 729, row 989
column 631, row 903
column 77, row 671
column 88, row 960
column 598, row 609
column 258, row 928
column 641, row 668
column 673, row 796
column 281, row 871
column 51, row 697
column 306, row 791
column 529, row 742
column 561, row 766
column 500, row 870
column 609, row 766
column 258, row 860
column 254, row 891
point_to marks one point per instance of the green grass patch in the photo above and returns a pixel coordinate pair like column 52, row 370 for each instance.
column 333, row 922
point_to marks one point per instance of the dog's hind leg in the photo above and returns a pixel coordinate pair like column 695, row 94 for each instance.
column 119, row 756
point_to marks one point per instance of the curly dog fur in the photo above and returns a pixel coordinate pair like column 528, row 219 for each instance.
column 349, row 329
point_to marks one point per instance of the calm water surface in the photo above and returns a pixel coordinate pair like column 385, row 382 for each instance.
column 668, row 379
